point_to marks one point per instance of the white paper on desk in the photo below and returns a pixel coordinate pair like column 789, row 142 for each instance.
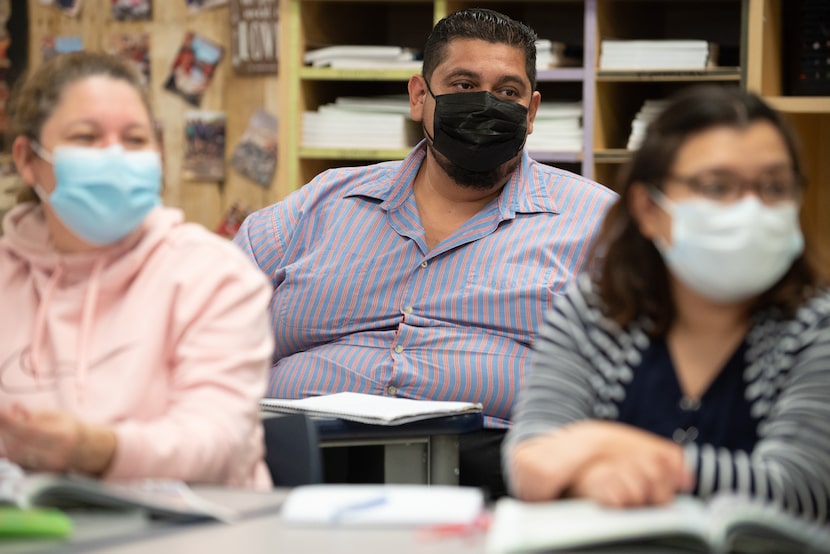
column 369, row 408
column 382, row 505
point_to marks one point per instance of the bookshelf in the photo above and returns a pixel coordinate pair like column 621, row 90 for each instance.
column 747, row 32
column 809, row 115
column 610, row 98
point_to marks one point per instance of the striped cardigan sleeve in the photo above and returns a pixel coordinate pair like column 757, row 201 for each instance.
column 790, row 465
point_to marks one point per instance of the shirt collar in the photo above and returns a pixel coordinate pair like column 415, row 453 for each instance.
column 523, row 193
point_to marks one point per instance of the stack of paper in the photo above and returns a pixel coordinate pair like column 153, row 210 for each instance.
column 363, row 57
column 657, row 54
column 557, row 128
column 352, row 122
column 369, row 408
column 647, row 114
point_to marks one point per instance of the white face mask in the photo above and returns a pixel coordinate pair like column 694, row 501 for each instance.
column 730, row 252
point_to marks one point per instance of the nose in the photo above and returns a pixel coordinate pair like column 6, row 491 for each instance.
column 110, row 141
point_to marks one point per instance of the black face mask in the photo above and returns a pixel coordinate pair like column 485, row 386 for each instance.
column 476, row 131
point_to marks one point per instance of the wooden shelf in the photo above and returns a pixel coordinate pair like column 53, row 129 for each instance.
column 329, row 74
column 353, row 154
column 800, row 104
column 748, row 33
column 612, row 155
column 639, row 75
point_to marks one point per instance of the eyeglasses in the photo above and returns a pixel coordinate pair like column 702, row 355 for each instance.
column 772, row 188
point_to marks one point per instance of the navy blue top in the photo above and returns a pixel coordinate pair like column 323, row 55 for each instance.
column 654, row 401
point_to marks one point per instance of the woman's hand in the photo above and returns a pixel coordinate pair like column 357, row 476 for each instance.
column 545, row 466
column 615, row 464
column 56, row 442
column 637, row 480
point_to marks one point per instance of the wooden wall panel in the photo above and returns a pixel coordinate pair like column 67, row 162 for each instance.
column 237, row 96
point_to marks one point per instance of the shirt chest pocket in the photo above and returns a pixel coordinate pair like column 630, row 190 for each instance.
column 510, row 297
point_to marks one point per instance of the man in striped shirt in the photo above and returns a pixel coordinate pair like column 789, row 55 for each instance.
column 426, row 278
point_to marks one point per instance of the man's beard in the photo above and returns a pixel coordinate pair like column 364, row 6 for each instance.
column 477, row 180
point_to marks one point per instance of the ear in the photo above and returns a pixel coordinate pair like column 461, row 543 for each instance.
column 535, row 99
column 650, row 218
column 24, row 159
column 417, row 88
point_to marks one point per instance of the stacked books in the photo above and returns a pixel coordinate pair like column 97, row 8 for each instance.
column 557, row 128
column 380, row 122
column 657, row 54
column 647, row 114
column 363, row 57
column 549, row 53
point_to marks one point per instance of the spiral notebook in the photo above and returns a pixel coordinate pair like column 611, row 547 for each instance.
column 369, row 408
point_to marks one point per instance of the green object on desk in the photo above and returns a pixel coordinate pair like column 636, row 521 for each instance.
column 33, row 523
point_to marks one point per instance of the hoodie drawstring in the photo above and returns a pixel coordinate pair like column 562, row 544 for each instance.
column 40, row 322
column 87, row 320
column 86, row 324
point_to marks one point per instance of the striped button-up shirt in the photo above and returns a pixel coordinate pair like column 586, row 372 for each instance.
column 362, row 304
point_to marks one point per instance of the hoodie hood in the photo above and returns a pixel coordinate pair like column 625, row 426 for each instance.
column 90, row 276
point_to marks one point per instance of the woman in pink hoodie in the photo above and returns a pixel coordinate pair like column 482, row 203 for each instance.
column 132, row 344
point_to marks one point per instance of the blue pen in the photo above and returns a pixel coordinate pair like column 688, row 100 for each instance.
column 342, row 512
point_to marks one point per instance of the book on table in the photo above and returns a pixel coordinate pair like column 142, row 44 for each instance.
column 726, row 523
column 159, row 499
column 369, row 408
column 383, row 505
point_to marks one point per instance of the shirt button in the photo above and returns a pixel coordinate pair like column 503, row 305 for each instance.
column 407, row 309
column 424, row 263
column 398, row 348
column 689, row 404
column 391, row 391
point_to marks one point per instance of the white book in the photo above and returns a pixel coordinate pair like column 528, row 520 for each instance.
column 369, row 408
column 728, row 523
column 354, row 51
column 657, row 54
column 657, row 44
column 391, row 103
column 379, row 64
column 382, row 505
column 559, row 109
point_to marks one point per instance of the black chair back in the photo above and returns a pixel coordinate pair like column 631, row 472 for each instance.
column 292, row 450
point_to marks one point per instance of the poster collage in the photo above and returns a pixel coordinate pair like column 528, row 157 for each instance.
column 193, row 65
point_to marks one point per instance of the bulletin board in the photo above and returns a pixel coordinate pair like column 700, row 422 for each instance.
column 232, row 101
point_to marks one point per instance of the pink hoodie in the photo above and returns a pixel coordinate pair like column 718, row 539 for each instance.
column 163, row 336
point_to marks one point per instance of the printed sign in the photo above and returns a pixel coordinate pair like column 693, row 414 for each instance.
column 254, row 34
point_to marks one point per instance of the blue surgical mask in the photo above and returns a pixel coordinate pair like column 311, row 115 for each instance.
column 102, row 194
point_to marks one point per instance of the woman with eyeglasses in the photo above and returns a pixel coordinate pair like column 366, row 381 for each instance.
column 696, row 358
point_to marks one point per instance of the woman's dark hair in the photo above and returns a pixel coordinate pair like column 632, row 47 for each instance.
column 482, row 24
column 632, row 278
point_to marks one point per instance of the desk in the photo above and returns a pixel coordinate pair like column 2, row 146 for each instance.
column 421, row 452
column 260, row 531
